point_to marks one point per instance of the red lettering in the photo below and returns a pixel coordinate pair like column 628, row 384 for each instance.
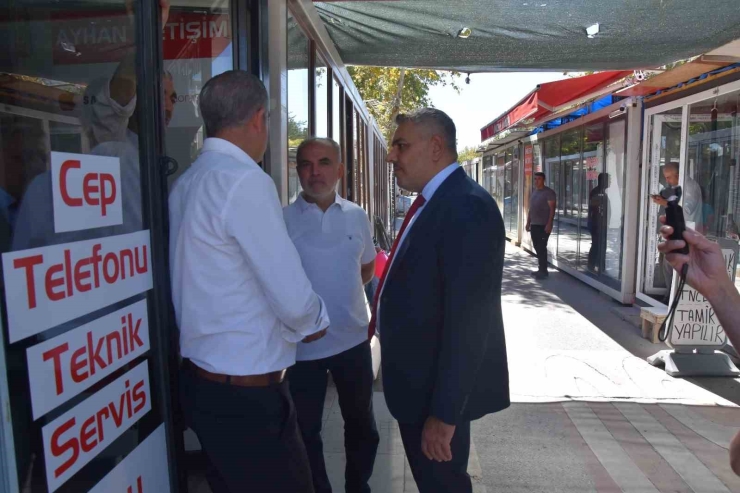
column 99, row 416
column 96, row 259
column 81, row 276
column 28, row 263
column 76, row 366
column 117, row 416
column 85, row 436
column 141, row 269
column 66, row 166
column 50, row 283
column 56, row 354
column 133, row 333
column 68, row 272
column 110, row 278
column 88, row 189
column 59, row 449
column 107, row 199
column 139, row 395
column 94, row 357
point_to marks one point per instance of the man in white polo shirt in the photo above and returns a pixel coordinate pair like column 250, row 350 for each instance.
column 334, row 240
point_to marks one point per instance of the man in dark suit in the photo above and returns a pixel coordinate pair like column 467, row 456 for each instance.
column 438, row 306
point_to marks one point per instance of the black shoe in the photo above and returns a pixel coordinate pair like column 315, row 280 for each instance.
column 534, row 273
column 541, row 275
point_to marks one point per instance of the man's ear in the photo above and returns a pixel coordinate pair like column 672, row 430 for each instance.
column 342, row 170
column 259, row 120
column 438, row 147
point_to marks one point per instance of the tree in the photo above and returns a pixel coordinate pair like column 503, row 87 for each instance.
column 379, row 87
column 297, row 131
column 466, row 154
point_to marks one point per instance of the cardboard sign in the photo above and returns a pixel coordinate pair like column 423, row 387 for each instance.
column 695, row 323
column 79, row 435
column 61, row 368
column 86, row 191
column 145, row 470
column 51, row 285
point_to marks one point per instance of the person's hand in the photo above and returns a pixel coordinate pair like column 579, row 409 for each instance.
column 659, row 200
column 707, row 270
column 315, row 337
column 436, row 438
column 735, row 454
column 548, row 227
column 528, row 227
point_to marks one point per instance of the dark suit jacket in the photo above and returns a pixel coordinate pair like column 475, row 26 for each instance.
column 441, row 330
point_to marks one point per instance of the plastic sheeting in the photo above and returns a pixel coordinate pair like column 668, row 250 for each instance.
column 527, row 34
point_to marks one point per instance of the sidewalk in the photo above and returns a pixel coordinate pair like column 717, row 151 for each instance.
column 588, row 412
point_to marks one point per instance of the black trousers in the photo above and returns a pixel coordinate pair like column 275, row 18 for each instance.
column 352, row 372
column 249, row 434
column 539, row 241
column 438, row 477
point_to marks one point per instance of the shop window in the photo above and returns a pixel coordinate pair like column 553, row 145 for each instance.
column 298, row 105
column 191, row 62
column 322, row 98
column 570, row 207
column 514, row 190
column 70, row 121
column 336, row 112
column 615, row 169
column 552, row 170
column 711, row 181
column 593, row 203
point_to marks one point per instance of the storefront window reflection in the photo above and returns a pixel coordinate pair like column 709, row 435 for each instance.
column 711, row 185
column 298, row 114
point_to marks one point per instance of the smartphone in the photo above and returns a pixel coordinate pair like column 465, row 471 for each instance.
column 674, row 218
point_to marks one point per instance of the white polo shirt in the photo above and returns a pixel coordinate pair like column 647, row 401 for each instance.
column 333, row 245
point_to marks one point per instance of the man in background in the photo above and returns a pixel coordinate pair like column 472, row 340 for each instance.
column 540, row 221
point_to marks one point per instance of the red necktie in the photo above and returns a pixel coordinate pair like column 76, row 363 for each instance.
column 412, row 210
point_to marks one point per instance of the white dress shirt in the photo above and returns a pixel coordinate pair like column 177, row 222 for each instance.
column 333, row 246
column 241, row 298
column 428, row 192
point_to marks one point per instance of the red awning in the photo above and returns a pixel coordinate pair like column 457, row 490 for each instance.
column 551, row 97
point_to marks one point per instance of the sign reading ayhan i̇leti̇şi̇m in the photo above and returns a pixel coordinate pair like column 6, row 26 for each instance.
column 695, row 324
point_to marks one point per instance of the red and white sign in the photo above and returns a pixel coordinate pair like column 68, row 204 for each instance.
column 86, row 190
column 145, row 470
column 528, row 160
column 51, row 285
column 76, row 437
column 106, row 37
column 61, row 368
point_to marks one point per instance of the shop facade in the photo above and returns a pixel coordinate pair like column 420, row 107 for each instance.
column 585, row 162
column 98, row 116
column 696, row 129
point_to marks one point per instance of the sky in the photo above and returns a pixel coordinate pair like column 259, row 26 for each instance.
column 484, row 99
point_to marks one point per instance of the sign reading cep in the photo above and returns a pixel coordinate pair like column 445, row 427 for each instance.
column 87, row 191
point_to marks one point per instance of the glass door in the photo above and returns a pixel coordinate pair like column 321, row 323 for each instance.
column 84, row 383
column 664, row 149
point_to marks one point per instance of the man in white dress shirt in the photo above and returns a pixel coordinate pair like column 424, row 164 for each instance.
column 334, row 240
column 242, row 300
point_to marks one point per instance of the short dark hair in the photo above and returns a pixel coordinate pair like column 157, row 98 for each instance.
column 672, row 165
column 319, row 140
column 540, row 173
column 439, row 120
column 230, row 99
